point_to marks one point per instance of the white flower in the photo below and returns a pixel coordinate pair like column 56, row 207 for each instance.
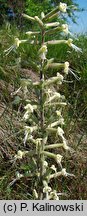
column 16, row 44
column 66, row 67
column 20, row 154
column 63, row 7
column 65, row 146
column 53, row 168
column 46, row 189
column 35, row 194
column 63, row 172
column 58, row 112
column 60, row 77
column 54, row 195
column 26, row 137
column 65, row 28
column 43, row 49
column 43, row 56
column 43, row 52
column 29, row 107
column 26, row 116
column 45, row 183
column 28, row 131
column 18, row 175
column 55, row 96
column 38, row 141
column 61, row 121
column 45, row 164
column 58, row 158
column 69, row 42
column 60, row 131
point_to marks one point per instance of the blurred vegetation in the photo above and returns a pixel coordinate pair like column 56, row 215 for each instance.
column 12, row 108
column 31, row 7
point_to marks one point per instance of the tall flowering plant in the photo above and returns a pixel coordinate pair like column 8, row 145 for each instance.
column 43, row 115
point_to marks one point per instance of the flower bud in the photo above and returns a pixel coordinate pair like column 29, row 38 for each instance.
column 35, row 194
column 42, row 15
column 66, row 67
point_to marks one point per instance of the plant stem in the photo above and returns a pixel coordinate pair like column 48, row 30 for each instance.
column 41, row 124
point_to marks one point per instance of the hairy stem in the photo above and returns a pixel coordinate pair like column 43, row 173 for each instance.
column 41, row 123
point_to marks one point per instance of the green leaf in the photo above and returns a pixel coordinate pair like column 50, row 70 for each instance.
column 17, row 100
